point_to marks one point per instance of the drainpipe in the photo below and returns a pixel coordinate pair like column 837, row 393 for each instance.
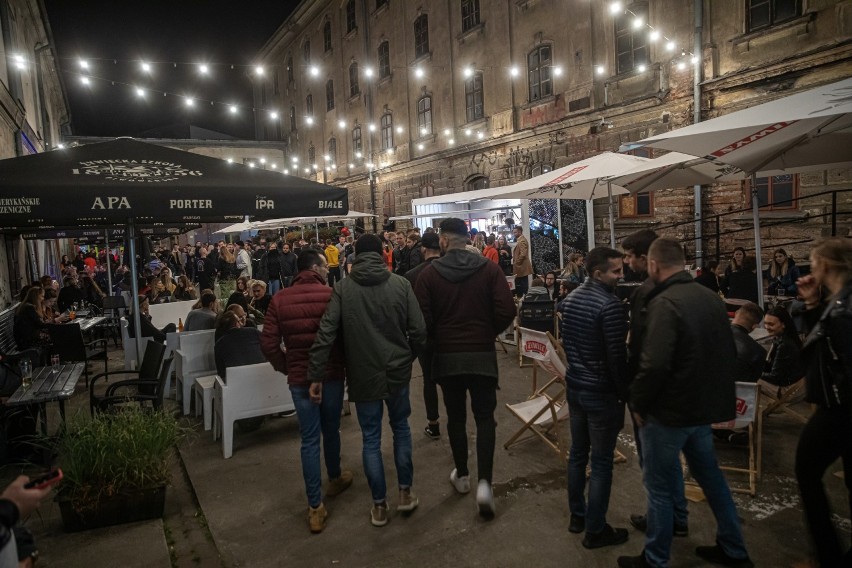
column 696, row 118
column 368, row 102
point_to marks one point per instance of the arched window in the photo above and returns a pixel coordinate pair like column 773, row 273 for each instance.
column 384, row 60
column 326, row 37
column 540, row 68
column 332, row 150
column 290, row 69
column 421, row 36
column 476, row 182
column 329, row 95
column 351, row 20
column 387, row 131
column 306, row 52
column 357, row 145
column 292, row 119
column 354, row 90
column 473, row 99
column 424, row 116
column 309, row 105
column 312, row 155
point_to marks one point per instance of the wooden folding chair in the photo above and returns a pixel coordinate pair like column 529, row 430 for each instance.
column 750, row 417
column 541, row 413
column 781, row 399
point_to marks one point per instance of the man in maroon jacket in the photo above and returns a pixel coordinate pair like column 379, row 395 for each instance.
column 466, row 302
column 293, row 317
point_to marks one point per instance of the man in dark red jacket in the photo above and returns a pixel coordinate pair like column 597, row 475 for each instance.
column 293, row 317
column 466, row 302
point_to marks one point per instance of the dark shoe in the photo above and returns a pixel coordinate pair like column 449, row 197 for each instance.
column 577, row 524
column 715, row 555
column 633, row 561
column 640, row 523
column 607, row 537
column 433, row 431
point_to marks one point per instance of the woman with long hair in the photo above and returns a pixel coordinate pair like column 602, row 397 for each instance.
column 167, row 279
column 479, row 242
column 827, row 355
column 227, row 263
column 575, row 270
column 738, row 256
column 742, row 283
column 782, row 274
column 784, row 361
column 184, row 289
column 243, row 287
column 30, row 325
column 505, row 252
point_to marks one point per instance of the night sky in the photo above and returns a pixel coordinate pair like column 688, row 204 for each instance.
column 187, row 32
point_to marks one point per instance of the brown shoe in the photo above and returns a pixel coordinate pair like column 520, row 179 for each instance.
column 340, row 484
column 316, row 518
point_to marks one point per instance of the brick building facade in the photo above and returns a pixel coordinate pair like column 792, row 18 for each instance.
column 397, row 100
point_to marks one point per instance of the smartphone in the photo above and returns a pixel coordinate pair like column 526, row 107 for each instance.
column 50, row 478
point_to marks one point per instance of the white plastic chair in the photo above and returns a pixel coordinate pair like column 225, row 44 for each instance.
column 195, row 358
column 251, row 391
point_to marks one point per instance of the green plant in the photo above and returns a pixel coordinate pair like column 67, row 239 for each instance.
column 116, row 452
column 226, row 288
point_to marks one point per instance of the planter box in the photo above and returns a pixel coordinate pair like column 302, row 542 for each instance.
column 115, row 510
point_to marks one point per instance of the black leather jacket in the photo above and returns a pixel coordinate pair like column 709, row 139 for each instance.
column 827, row 352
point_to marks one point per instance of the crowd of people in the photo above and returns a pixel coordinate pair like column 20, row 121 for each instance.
column 443, row 296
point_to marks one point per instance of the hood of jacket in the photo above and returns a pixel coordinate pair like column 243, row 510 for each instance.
column 369, row 269
column 457, row 265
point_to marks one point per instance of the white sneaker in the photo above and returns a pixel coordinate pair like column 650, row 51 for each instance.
column 485, row 499
column 462, row 484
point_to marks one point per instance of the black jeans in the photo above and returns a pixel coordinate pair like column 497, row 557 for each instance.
column 333, row 275
column 522, row 285
column 430, row 389
column 483, row 402
column 826, row 437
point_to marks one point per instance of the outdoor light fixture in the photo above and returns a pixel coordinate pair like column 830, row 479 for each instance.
column 418, row 72
column 372, row 127
column 273, row 166
column 285, row 171
column 420, row 146
column 514, row 72
column 233, row 109
column 670, row 45
column 146, row 67
column 230, row 160
column 328, row 168
column 370, row 165
column 314, row 71
column 334, row 166
column 251, row 164
column 468, row 132
column 637, row 23
column 694, row 59
column 262, row 160
column 84, row 64
column 359, row 155
column 681, row 65
column 468, row 71
column 389, row 151
column 654, row 35
column 273, row 115
column 140, row 92
column 20, row 62
column 399, row 129
column 307, row 170
column 615, row 8
column 84, row 80
column 423, row 131
column 600, row 69
column 314, row 166
column 557, row 71
column 452, row 141
column 61, row 146
column 641, row 68
column 295, row 159
column 189, row 102
column 203, row 69
column 480, row 135
column 368, row 71
column 259, row 70
column 446, row 132
column 326, row 158
column 309, row 120
column 341, row 123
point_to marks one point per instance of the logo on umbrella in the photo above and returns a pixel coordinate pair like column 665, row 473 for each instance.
column 139, row 171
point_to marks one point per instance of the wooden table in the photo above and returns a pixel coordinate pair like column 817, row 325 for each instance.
column 49, row 386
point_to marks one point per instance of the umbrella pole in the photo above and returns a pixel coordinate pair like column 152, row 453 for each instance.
column 559, row 228
column 134, row 287
column 755, row 209
column 109, row 267
column 611, row 214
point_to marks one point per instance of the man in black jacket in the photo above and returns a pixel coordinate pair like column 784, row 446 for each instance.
column 684, row 384
column 287, row 262
column 751, row 357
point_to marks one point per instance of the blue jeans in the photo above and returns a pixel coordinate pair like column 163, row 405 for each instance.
column 681, row 513
column 596, row 420
column 274, row 286
column 370, row 418
column 661, row 446
column 315, row 419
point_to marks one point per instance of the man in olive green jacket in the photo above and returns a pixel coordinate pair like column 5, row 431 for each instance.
column 382, row 327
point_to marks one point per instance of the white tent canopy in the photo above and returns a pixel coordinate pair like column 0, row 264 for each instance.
column 278, row 223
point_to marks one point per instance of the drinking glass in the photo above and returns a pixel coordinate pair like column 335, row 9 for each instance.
column 54, row 362
column 26, row 373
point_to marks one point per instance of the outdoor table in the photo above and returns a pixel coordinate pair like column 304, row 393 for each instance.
column 86, row 324
column 49, row 386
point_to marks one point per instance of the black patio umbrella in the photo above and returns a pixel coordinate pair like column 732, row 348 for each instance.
column 128, row 181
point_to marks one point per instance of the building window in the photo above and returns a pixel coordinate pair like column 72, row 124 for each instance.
column 326, row 37
column 421, row 36
column 290, row 69
column 279, row 134
column 275, row 88
column 312, row 155
column 309, row 105
column 387, row 131
column 380, row 3
column 776, row 192
column 332, row 151
column 351, row 20
column 292, row 119
column 540, row 168
column 427, row 191
column 306, row 52
column 388, row 203
column 384, row 60
column 631, row 44
column 473, row 100
column 470, row 14
column 476, row 182
column 354, row 90
column 765, row 13
column 636, row 205
column 357, row 146
column 540, row 65
column 424, row 116
column 263, row 94
column 329, row 95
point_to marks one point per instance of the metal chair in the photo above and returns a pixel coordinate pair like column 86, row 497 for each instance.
column 113, row 308
column 68, row 342
column 147, row 371
column 142, row 391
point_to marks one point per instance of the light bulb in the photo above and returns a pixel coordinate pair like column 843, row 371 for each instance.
column 84, row 64
column 233, row 109
column 230, row 160
column 446, row 132
column 681, row 65
column 314, row 71
column 694, row 59
column 600, row 69
column 351, row 166
column 468, row 132
column 326, row 158
column 359, row 155
column 514, row 72
column 468, row 71
column 420, row 146
column 263, row 160
column 341, row 123
column 641, row 68
column 399, row 129
column 309, row 120
column 418, row 72
column 372, row 127
column 273, row 115
column 140, row 92
column 557, row 71
column 370, row 165
column 480, row 135
column 670, row 45
column 84, row 80
column 146, row 67
column 189, row 102
column 368, row 71
column 251, row 164
column 259, row 70
column 285, row 171
column 273, row 166
column 314, row 166
column 307, row 170
column 389, row 151
column 334, row 166
column 203, row 69
column 654, row 35
column 615, row 8
column 295, row 159
column 637, row 23
column 451, row 141
column 423, row 131
column 61, row 146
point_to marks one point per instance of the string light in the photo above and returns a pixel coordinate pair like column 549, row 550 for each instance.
column 637, row 23
column 341, row 123
column 314, row 71
column 615, row 8
column 84, row 64
column 203, row 69
column 146, row 67
column 84, row 80
column 670, row 45
column 654, row 35
column 259, row 70
column 557, row 71
column 514, row 72
column 140, row 92
column 232, row 109
column 418, row 72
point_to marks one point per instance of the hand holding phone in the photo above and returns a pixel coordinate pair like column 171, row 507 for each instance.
column 43, row 481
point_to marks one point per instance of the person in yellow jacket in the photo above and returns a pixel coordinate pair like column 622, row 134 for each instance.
column 332, row 255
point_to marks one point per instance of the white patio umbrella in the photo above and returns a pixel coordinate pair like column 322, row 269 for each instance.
column 811, row 130
column 584, row 180
column 236, row 228
column 675, row 170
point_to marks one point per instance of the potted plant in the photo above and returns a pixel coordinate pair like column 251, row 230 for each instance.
column 116, row 467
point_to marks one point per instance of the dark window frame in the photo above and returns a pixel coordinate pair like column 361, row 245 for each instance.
column 290, row 69
column 477, row 182
column 775, row 12
column 766, row 189
column 329, row 95
column 421, row 36
column 381, row 3
column 357, row 142
column 327, row 43
column 470, row 14
column 309, row 105
column 312, row 156
column 292, row 119
column 306, row 52
column 631, row 45
column 540, row 72
column 424, row 115
column 383, row 56
column 641, row 205
column 474, row 100
column 354, row 87
column 332, row 149
column 351, row 17
column 387, row 131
